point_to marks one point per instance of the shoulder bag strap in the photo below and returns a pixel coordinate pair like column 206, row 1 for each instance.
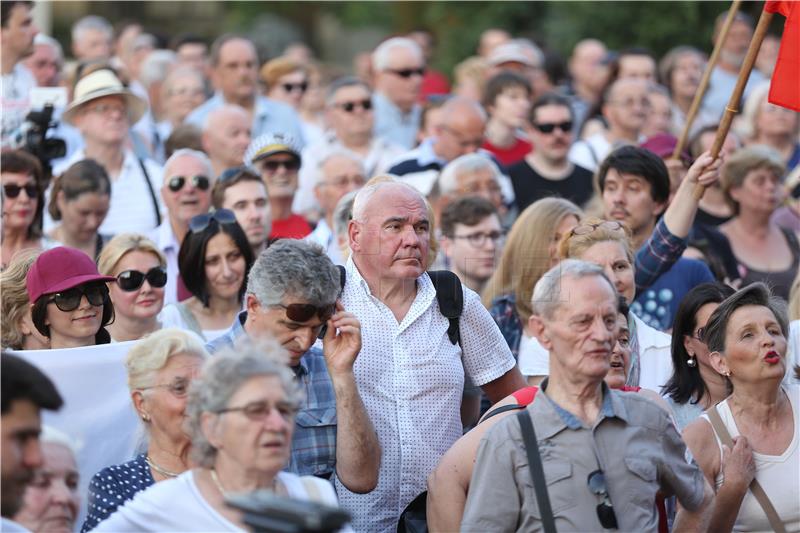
column 152, row 192
column 755, row 486
column 537, row 471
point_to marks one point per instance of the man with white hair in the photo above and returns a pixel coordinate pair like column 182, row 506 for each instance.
column 91, row 38
column 471, row 175
column 17, row 32
column 186, row 192
column 398, row 65
column 413, row 359
column 226, row 135
column 46, row 61
column 152, row 73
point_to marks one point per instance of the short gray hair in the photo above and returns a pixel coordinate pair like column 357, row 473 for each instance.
column 532, row 48
column 188, row 152
column 223, row 375
column 156, row 66
column 220, row 111
column 91, row 22
column 46, row 40
column 381, row 56
column 469, row 163
column 546, row 297
column 341, row 152
column 297, row 268
column 343, row 213
column 375, row 184
column 755, row 294
column 52, row 435
column 341, row 83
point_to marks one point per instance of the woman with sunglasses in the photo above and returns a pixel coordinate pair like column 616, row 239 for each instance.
column 80, row 199
column 160, row 368
column 140, row 273
column 69, row 299
column 21, row 175
column 241, row 415
column 214, row 260
column 288, row 81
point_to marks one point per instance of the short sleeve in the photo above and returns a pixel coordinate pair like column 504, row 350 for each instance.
column 678, row 474
column 486, row 354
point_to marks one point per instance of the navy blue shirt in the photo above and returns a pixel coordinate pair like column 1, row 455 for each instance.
column 113, row 486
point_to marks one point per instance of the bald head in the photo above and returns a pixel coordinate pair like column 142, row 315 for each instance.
column 461, row 130
column 375, row 190
column 226, row 135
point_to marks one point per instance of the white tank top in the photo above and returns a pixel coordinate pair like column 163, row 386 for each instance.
column 778, row 475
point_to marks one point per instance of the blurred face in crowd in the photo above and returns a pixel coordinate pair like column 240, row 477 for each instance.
column 760, row 192
column 143, row 303
column 248, row 201
column 18, row 33
column 736, row 43
column 338, row 175
column 659, row 117
column 473, row 251
column 628, row 198
column 511, row 107
column 776, row 121
column 613, row 258
column 194, row 195
column 401, row 80
column 290, row 88
column 227, row 136
column 461, row 132
column 77, row 327
column 491, row 39
column 236, row 72
column 350, row 112
column 637, row 66
column 194, row 55
column 103, row 120
column 620, row 355
column 628, row 105
column 82, row 216
column 19, row 210
column 45, row 65
column 482, row 182
column 182, row 93
column 565, row 225
column 279, row 172
column 587, row 67
column 52, row 499
column 92, row 44
column 552, row 145
column 225, row 267
column 21, row 453
column 692, row 343
column 685, row 77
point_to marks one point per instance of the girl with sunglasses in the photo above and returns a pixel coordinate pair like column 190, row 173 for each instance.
column 22, row 205
column 213, row 261
column 139, row 270
column 70, row 303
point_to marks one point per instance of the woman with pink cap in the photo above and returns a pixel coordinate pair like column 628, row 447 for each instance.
column 69, row 298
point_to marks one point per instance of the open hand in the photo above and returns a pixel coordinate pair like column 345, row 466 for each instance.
column 342, row 341
column 704, row 170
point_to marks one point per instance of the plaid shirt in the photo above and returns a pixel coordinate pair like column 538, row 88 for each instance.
column 314, row 441
column 657, row 255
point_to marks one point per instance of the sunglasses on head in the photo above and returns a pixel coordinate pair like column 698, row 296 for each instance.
column 566, row 127
column 605, row 511
column 131, row 280
column 585, row 228
column 176, row 183
column 291, row 87
column 12, row 190
column 349, row 107
column 305, row 312
column 70, row 299
column 201, row 221
column 408, row 72
column 272, row 166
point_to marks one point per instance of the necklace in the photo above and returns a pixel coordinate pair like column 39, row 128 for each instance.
column 215, row 479
column 163, row 471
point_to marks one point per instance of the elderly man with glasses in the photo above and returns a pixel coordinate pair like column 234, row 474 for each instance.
column 292, row 296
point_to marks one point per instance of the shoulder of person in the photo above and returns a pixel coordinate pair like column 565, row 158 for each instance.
column 119, row 473
column 642, row 410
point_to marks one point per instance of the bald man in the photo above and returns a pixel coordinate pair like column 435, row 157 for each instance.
column 589, row 74
column 226, row 135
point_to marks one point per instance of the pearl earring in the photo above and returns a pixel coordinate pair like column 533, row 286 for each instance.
column 692, row 362
column 145, row 417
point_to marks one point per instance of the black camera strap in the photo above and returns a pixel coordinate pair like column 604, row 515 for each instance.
column 537, row 471
column 152, row 192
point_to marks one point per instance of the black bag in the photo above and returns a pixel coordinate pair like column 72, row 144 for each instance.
column 414, row 518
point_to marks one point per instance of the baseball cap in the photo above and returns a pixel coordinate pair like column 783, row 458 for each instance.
column 509, row 53
column 59, row 269
column 271, row 143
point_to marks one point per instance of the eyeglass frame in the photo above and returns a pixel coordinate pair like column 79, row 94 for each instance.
column 548, row 128
column 407, row 73
column 612, row 225
column 321, row 312
column 170, row 387
column 53, row 298
column 293, row 409
column 145, row 276
column 351, row 107
column 482, row 236
column 28, row 187
column 199, row 181
column 199, row 223
column 290, row 87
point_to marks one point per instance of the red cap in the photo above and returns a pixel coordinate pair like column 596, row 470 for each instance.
column 663, row 144
column 60, row 269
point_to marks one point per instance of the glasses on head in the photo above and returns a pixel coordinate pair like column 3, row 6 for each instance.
column 587, row 228
column 230, row 173
column 605, row 511
column 12, row 190
column 106, row 109
column 407, row 72
column 178, row 388
column 201, row 182
column 131, row 280
column 479, row 238
column 350, row 107
column 291, row 87
column 257, row 411
column 70, row 299
column 305, row 312
column 550, row 127
column 272, row 165
column 221, row 216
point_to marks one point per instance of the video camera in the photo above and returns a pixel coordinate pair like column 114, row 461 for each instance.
column 36, row 141
column 266, row 512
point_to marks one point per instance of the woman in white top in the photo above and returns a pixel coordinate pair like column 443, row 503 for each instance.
column 747, row 339
column 241, row 418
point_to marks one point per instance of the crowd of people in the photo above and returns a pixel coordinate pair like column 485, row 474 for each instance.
column 338, row 286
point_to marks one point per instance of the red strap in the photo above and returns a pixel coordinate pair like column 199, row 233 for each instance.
column 525, row 395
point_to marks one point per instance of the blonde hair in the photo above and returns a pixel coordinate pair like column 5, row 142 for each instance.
column 14, row 301
column 152, row 352
column 120, row 246
column 275, row 69
column 525, row 254
column 744, row 161
column 572, row 246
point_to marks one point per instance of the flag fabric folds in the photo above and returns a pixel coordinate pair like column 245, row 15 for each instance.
column 785, row 87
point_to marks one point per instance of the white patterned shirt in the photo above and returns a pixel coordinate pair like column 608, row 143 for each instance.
column 411, row 379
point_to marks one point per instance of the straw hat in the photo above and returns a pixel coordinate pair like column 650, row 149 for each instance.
column 99, row 83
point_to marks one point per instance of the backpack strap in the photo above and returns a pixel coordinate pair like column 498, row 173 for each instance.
column 342, row 276
column 152, row 192
column 450, row 296
column 537, row 471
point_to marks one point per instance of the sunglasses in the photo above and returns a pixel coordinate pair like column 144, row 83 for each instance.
column 12, row 190
column 69, row 300
column 131, row 280
column 179, row 388
column 349, row 107
column 305, row 312
column 291, row 87
column 408, row 72
column 566, row 127
column 585, row 229
column 221, row 216
column 176, row 183
column 291, row 165
column 605, row 511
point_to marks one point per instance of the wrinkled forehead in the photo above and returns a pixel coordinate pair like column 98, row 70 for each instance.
column 396, row 200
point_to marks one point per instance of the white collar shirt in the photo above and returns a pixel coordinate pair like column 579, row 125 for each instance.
column 167, row 242
column 323, row 235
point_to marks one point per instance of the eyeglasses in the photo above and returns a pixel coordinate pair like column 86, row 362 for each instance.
column 200, row 222
column 12, row 190
column 69, row 300
column 605, row 511
column 350, row 107
column 131, row 280
column 478, row 239
column 179, row 388
column 566, row 127
column 305, row 312
column 587, row 228
column 291, row 165
column 407, row 72
column 291, row 87
column 176, row 183
column 356, row 180
column 257, row 411
column 106, row 109
column 631, row 102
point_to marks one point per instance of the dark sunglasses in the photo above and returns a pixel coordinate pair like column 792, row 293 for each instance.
column 70, row 299
column 176, row 183
column 12, row 190
column 291, row 165
column 349, row 107
column 305, row 312
column 795, row 192
column 201, row 221
column 291, row 87
column 605, row 511
column 408, row 72
column 566, row 127
column 131, row 280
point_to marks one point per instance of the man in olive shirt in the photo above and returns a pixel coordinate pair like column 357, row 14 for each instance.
column 605, row 454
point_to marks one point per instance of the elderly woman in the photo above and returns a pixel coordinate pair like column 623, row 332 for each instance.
column 241, row 416
column 160, row 368
column 16, row 324
column 680, row 71
column 140, row 271
column 765, row 123
column 22, row 180
column 766, row 252
column 753, row 434
column 51, row 500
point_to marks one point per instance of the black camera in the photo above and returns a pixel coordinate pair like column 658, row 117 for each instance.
column 266, row 512
column 36, row 141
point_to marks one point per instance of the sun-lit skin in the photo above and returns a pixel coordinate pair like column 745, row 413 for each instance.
column 20, row 450
column 611, row 256
column 71, row 329
column 474, row 265
column 225, row 267
column 628, row 199
column 620, row 355
column 145, row 302
column 18, row 212
column 248, row 201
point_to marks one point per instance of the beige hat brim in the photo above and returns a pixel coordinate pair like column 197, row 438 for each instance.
column 136, row 105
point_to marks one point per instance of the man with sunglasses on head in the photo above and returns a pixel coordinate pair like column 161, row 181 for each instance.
column 546, row 171
column 292, row 296
column 186, row 192
column 242, row 191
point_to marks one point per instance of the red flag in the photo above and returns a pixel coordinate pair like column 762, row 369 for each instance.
column 785, row 87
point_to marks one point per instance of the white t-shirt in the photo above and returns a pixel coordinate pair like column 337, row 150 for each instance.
column 15, row 104
column 533, row 359
column 590, row 152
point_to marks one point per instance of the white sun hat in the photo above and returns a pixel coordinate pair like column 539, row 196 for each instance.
column 104, row 82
